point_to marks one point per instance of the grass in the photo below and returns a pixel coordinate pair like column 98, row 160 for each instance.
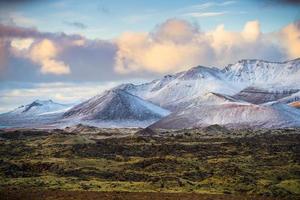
column 266, row 165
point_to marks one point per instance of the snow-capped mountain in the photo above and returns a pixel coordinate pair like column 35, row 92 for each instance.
column 253, row 93
column 116, row 106
column 259, row 95
column 34, row 114
column 231, row 114
column 172, row 90
column 203, row 96
column 264, row 74
column 181, row 87
column 39, row 107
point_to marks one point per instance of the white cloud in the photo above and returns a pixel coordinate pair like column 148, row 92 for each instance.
column 291, row 37
column 251, row 30
column 178, row 45
column 21, row 44
column 203, row 5
column 207, row 5
column 173, row 46
column 44, row 53
column 205, row 14
column 79, row 42
column 228, row 3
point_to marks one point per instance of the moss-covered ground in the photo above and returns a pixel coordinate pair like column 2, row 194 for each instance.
column 266, row 165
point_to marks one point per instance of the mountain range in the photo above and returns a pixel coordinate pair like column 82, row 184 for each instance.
column 249, row 93
column 36, row 114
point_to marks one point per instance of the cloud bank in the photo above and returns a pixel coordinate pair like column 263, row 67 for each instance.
column 44, row 53
column 177, row 44
column 27, row 54
column 291, row 36
column 174, row 44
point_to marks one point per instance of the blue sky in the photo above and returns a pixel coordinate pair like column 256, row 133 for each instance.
column 106, row 19
column 51, row 48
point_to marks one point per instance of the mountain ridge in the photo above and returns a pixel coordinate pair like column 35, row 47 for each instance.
column 116, row 105
column 252, row 87
column 229, row 81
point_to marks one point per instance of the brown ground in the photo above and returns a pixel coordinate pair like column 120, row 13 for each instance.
column 34, row 194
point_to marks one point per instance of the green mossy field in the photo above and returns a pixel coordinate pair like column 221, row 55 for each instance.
column 261, row 163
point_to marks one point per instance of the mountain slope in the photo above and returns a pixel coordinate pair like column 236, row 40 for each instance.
column 39, row 107
column 259, row 96
column 292, row 100
column 34, row 114
column 199, row 96
column 173, row 90
column 115, row 105
column 181, row 87
column 232, row 115
column 264, row 74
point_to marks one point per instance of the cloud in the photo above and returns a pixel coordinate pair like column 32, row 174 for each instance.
column 203, row 5
column 175, row 30
column 291, row 37
column 207, row 5
column 250, row 43
column 78, row 25
column 30, row 55
column 178, row 45
column 3, row 55
column 225, row 3
column 172, row 46
column 44, row 53
column 30, row 43
column 251, row 31
column 7, row 31
column 201, row 10
column 22, row 44
column 54, row 54
column 205, row 14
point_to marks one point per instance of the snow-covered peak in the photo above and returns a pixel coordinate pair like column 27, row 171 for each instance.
column 200, row 72
column 43, row 102
column 184, row 86
column 39, row 107
column 264, row 74
column 116, row 104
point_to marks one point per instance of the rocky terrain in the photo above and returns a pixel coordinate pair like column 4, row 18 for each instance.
column 203, row 163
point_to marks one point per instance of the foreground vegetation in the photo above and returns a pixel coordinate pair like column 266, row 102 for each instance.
column 211, row 161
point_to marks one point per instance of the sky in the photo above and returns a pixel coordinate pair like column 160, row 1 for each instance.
column 70, row 50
